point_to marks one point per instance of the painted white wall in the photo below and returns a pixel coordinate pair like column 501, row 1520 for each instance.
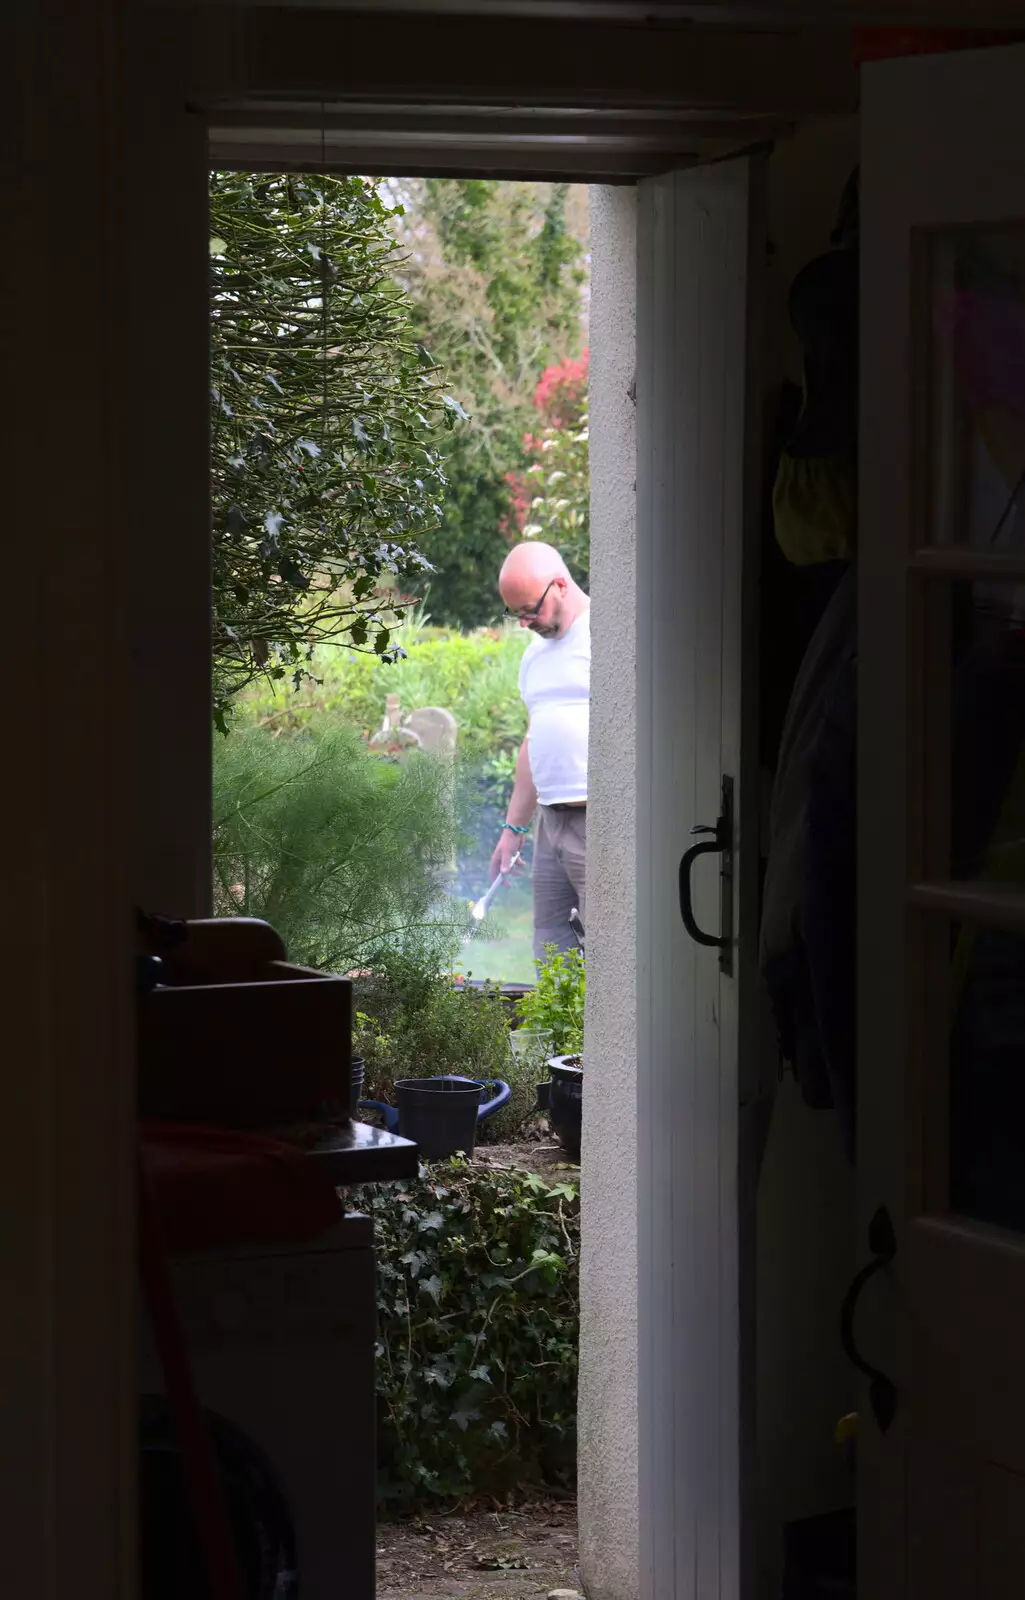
column 608, row 1412
column 806, row 1217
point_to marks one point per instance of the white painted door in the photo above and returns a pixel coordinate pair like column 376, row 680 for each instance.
column 942, row 826
column 697, row 515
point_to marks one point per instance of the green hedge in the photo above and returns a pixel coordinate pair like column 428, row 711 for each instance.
column 478, row 1314
column 474, row 675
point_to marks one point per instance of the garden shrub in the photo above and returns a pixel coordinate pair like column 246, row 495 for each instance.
column 475, row 676
column 327, row 418
column 414, row 1021
column 551, row 498
column 478, row 1309
column 493, row 271
column 338, row 848
column 555, row 1005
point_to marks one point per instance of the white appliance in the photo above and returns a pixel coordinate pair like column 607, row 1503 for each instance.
column 281, row 1340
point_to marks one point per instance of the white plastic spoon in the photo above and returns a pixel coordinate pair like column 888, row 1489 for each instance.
column 480, row 910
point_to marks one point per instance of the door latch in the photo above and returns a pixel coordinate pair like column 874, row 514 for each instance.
column 721, row 844
column 882, row 1392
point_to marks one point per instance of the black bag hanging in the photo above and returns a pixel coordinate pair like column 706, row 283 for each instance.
column 815, row 493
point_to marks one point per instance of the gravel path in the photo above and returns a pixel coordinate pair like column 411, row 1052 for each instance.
column 479, row 1555
column 544, row 1157
column 486, row 1554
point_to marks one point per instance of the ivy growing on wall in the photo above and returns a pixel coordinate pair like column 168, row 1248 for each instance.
column 477, row 1332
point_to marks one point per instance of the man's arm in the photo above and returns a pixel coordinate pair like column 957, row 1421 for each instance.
column 522, row 806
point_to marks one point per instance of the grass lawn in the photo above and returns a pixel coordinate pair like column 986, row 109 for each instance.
column 506, row 957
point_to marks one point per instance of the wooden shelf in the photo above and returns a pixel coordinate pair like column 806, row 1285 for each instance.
column 355, row 1152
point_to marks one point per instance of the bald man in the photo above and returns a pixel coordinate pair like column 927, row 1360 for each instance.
column 551, row 768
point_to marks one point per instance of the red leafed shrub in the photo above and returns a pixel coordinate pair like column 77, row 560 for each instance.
column 561, row 393
column 549, row 496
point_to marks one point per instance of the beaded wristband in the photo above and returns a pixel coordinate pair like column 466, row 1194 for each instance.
column 513, row 828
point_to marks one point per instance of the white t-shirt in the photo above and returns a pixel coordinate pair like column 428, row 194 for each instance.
column 555, row 682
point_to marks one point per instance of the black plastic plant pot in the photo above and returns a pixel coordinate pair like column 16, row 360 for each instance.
column 565, row 1101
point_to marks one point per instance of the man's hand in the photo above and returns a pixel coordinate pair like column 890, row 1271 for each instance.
column 506, row 848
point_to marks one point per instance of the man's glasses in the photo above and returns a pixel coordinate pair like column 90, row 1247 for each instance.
column 529, row 611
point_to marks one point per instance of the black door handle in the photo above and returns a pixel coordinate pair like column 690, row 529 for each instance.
column 687, row 860
column 721, row 843
column 882, row 1392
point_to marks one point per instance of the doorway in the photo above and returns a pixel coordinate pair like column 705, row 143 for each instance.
column 676, row 1141
column 151, row 89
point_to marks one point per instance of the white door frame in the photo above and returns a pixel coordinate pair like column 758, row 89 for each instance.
column 698, row 512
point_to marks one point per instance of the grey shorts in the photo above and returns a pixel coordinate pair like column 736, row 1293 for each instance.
column 560, row 848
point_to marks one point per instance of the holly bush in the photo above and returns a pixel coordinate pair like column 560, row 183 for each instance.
column 478, row 1312
column 327, row 417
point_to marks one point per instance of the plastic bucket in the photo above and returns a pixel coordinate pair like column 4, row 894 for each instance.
column 531, row 1044
column 356, row 1076
column 440, row 1114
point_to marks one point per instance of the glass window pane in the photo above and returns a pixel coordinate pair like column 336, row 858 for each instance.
column 970, row 821
column 987, row 723
column 976, row 400
column 987, row 1075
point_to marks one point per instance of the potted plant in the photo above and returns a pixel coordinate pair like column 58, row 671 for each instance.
column 555, row 1006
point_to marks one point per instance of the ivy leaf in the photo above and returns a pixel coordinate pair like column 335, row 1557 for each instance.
column 432, row 1286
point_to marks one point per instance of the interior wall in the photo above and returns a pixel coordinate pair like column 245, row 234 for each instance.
column 608, row 1410
column 806, row 1198
column 164, row 464
column 806, row 174
column 107, row 538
